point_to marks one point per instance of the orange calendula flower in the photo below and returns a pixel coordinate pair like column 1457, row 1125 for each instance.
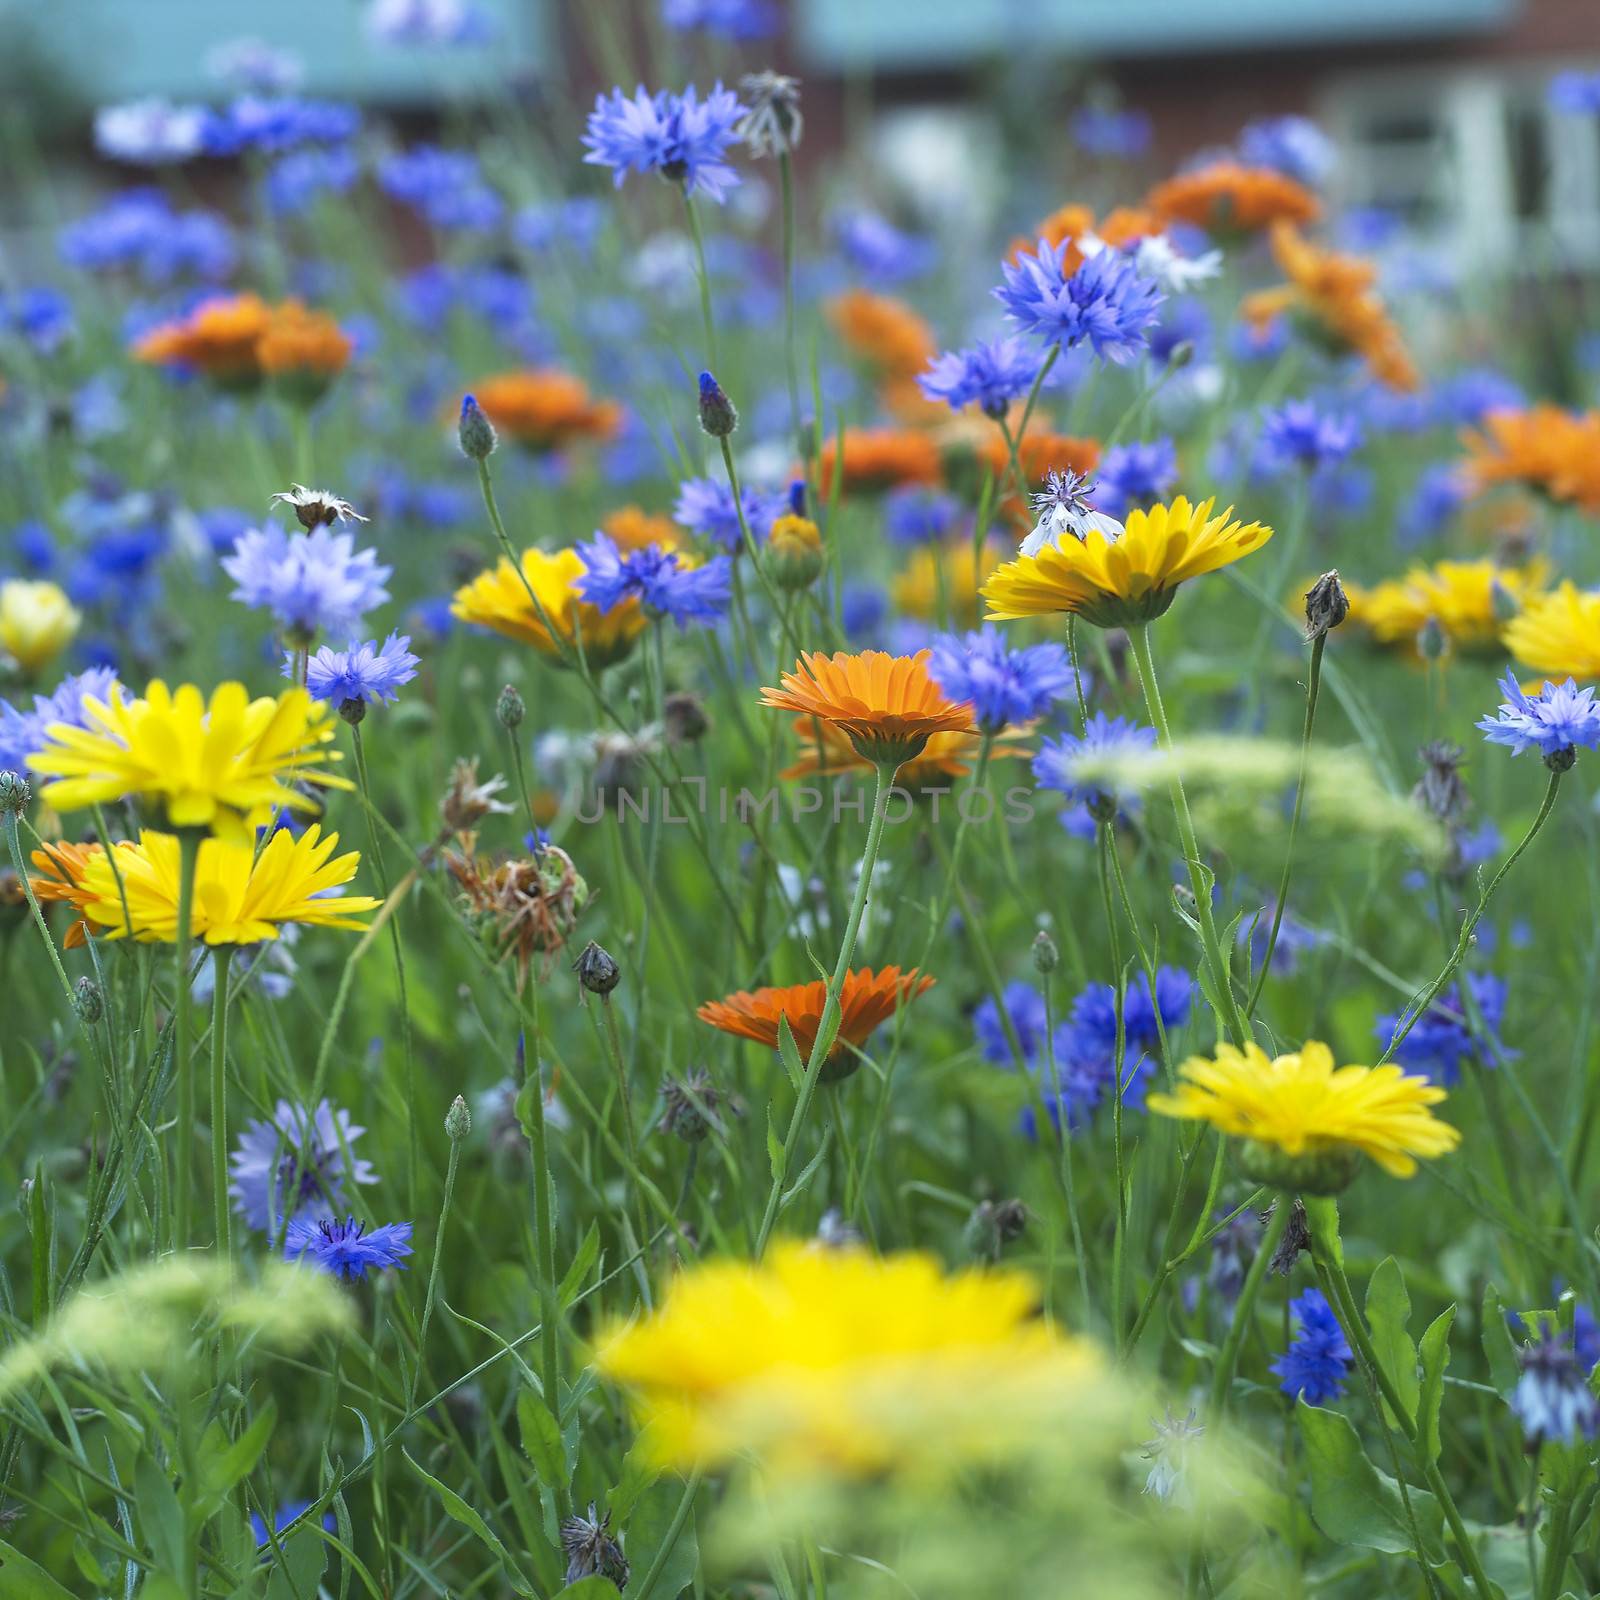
column 1227, row 197
column 1335, row 295
column 545, row 409
column 1072, row 222
column 867, row 1000
column 1553, row 452
column 825, row 752
column 303, row 350
column 62, row 870
column 876, row 459
column 882, row 331
column 500, row 599
column 634, row 528
column 887, row 706
column 218, row 338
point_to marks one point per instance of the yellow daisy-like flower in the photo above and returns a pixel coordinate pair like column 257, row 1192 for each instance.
column 1124, row 580
column 1461, row 596
column 240, row 897
column 1307, row 1120
column 499, row 599
column 1558, row 634
column 950, row 571
column 37, row 622
column 226, row 765
column 837, row 1360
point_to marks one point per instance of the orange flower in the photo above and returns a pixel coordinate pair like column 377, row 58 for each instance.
column 1543, row 448
column 867, row 1000
column 1039, row 452
column 545, row 408
column 876, row 459
column 305, row 349
column 887, row 706
column 634, row 528
column 219, row 338
column 882, row 331
column 1226, row 197
column 1069, row 223
column 1335, row 294
column 825, row 752
column 63, row 867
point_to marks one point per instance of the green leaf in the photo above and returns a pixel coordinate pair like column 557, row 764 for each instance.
column 596, row 1588
column 223, row 1463
column 1388, row 1311
column 1435, row 1358
column 458, row 1510
column 1498, row 1345
column 789, row 1054
column 582, row 1265
column 646, row 1533
column 297, row 1574
column 160, row 1516
column 1351, row 1500
column 541, row 1438
column 636, row 1476
column 20, row 1579
column 774, row 1147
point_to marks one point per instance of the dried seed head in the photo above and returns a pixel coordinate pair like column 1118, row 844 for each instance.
column 596, row 970
column 773, row 125
column 1296, row 1237
column 689, row 1105
column 1440, row 791
column 590, row 1550
column 683, row 717
column 316, row 508
column 993, row 1225
column 1327, row 605
column 467, row 802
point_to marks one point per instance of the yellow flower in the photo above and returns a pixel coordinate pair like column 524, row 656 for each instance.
column 1119, row 582
column 828, row 1359
column 240, row 897
column 1307, row 1120
column 37, row 622
column 499, row 600
column 1558, row 634
column 226, row 765
column 950, row 572
column 1459, row 595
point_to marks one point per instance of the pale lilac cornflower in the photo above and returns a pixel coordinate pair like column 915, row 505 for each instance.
column 150, row 133
column 1065, row 506
column 1294, row 146
column 1554, row 722
column 254, row 66
column 360, row 674
column 426, row 22
column 295, row 1163
column 22, row 733
column 990, row 375
column 1552, row 1399
column 662, row 580
column 316, row 582
column 1107, row 302
column 1168, row 1455
column 681, row 136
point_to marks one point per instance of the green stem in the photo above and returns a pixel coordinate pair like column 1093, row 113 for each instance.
column 38, row 916
column 221, row 960
column 790, row 360
column 433, row 1274
column 700, row 272
column 1221, row 971
column 1313, row 685
column 188, row 855
column 828, row 1027
column 625, row 1097
column 1244, row 1311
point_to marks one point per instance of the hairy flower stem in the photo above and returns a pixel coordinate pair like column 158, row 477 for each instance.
column 774, row 599
column 221, row 960
column 182, row 1064
column 1064, row 1138
column 1014, row 440
column 1322, row 1217
column 17, row 862
column 613, row 1040
column 433, row 1274
column 1464, row 941
column 1313, row 686
column 703, row 276
column 1119, row 1056
column 829, row 1026
column 791, row 363
column 1244, row 1311
column 1221, row 972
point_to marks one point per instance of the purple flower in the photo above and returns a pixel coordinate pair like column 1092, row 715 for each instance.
column 313, row 583
column 295, row 1155
column 1552, row 1399
column 1120, row 135
column 660, row 579
column 22, row 733
column 1138, row 474
column 364, row 672
column 1004, row 685
column 1294, row 146
column 1107, row 301
column 705, row 506
column 346, row 1248
column 1553, row 722
column 881, row 252
column 445, row 186
column 1299, row 434
column 1056, row 766
column 731, row 19
column 680, row 136
column 990, row 374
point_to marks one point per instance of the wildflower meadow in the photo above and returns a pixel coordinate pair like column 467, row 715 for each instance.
column 708, row 887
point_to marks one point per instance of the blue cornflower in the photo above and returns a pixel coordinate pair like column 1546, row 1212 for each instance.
column 33, row 544
column 1440, row 1040
column 1233, row 1248
column 1299, row 434
column 990, row 374
column 1259, row 341
column 661, row 579
column 1025, row 1008
column 287, row 1512
column 705, row 506
column 1554, row 722
column 41, row 316
column 346, row 1248
column 362, row 673
column 150, row 133
column 1466, row 397
column 1317, row 1361
column 139, row 229
column 295, row 1153
column 1577, row 93
column 1184, row 325
column 1120, row 135
column 1552, row 1399
column 313, row 583
column 1439, row 493
column 297, row 178
column 680, row 136
column 278, row 123
column 1107, row 301
column 1138, row 474
column 881, row 252
column 23, row 732
column 1056, row 766
column 731, row 19
column 1086, row 1043
column 1294, row 940
column 916, row 515
column 575, row 222
column 1005, row 685
column 1294, row 146
column 445, row 186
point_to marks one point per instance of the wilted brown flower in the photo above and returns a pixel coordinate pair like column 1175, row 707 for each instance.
column 467, row 802
column 526, row 905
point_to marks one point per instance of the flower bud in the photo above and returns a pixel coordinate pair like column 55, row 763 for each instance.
column 597, row 972
column 88, row 1001
column 1562, row 760
column 683, row 717
column 1503, row 602
column 1430, row 639
column 475, row 431
column 794, row 548
column 1327, row 605
column 1046, row 957
column 993, row 1225
column 457, row 1120
column 509, row 708
column 353, row 710
column 14, row 794
column 717, row 415
column 1324, row 1170
column 689, row 1105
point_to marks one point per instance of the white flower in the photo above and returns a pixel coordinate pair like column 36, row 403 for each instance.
column 1063, row 507
column 148, row 132
column 1154, row 258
